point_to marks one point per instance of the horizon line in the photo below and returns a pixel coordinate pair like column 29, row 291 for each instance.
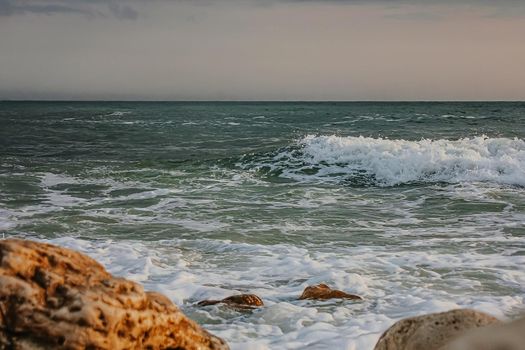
column 262, row 101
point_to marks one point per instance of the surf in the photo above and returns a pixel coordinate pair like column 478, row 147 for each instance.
column 391, row 162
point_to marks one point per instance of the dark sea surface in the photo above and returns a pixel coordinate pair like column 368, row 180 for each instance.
column 418, row 207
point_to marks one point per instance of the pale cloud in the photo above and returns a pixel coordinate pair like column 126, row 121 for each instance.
column 128, row 9
column 255, row 50
column 120, row 9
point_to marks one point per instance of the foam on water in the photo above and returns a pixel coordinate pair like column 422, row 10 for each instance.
column 394, row 284
column 200, row 202
column 118, row 113
column 394, row 162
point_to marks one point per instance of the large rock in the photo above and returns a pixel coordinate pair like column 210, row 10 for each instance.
column 241, row 301
column 509, row 336
column 323, row 292
column 56, row 298
column 431, row 332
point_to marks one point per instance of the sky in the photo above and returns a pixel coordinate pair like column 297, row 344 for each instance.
column 262, row 49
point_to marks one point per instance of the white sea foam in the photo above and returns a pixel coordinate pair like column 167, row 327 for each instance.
column 393, row 162
column 7, row 220
column 394, row 284
column 227, row 231
column 118, row 113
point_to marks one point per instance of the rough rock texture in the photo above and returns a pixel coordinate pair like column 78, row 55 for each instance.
column 509, row 336
column 243, row 301
column 56, row 298
column 322, row 291
column 431, row 332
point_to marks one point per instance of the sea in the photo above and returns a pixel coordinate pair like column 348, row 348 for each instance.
column 416, row 207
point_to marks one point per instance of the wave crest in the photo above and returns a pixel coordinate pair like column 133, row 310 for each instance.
column 386, row 162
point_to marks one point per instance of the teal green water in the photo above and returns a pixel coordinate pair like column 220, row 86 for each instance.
column 416, row 206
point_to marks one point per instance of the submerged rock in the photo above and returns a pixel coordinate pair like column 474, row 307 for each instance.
column 509, row 336
column 56, row 298
column 431, row 332
column 322, row 291
column 243, row 301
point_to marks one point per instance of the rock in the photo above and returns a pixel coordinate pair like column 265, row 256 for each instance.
column 243, row 301
column 509, row 336
column 56, row 298
column 322, row 291
column 431, row 332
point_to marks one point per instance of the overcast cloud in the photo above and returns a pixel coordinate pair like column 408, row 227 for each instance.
column 260, row 50
column 126, row 9
column 121, row 9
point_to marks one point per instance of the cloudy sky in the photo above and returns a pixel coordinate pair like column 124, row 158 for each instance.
column 262, row 49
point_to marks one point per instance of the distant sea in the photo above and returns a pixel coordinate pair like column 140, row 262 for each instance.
column 417, row 207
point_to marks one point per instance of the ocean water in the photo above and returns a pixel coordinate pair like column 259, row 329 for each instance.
column 417, row 207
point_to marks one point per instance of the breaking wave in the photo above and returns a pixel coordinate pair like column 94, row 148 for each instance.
column 386, row 162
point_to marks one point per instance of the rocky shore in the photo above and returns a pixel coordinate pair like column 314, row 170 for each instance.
column 56, row 298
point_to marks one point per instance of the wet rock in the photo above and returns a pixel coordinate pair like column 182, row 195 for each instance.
column 322, row 291
column 243, row 301
column 56, row 298
column 431, row 332
column 508, row 336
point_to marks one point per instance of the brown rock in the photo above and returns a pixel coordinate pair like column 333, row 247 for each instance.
column 509, row 336
column 430, row 332
column 243, row 301
column 322, row 291
column 56, row 298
